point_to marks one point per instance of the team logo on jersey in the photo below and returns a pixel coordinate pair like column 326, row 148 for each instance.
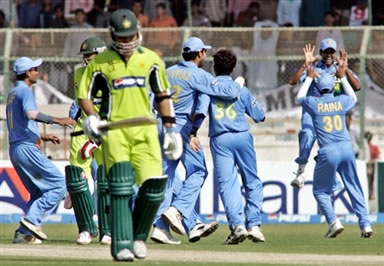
column 215, row 82
column 128, row 82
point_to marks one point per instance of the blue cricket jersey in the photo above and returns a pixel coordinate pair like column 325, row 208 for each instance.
column 20, row 128
column 229, row 115
column 187, row 80
column 328, row 115
column 323, row 68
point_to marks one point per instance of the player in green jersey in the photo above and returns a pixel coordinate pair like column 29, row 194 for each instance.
column 125, row 73
column 80, row 184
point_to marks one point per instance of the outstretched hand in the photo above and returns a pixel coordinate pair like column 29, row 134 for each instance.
column 52, row 138
column 342, row 59
column 308, row 54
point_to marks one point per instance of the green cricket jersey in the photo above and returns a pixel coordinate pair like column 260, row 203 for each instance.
column 124, row 84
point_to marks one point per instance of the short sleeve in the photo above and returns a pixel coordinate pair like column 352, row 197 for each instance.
column 28, row 101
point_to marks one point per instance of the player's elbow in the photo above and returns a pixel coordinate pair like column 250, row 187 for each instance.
column 31, row 115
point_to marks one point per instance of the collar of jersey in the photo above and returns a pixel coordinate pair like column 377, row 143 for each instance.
column 188, row 64
column 224, row 77
column 21, row 83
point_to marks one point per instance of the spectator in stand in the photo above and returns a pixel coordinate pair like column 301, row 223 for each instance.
column 137, row 8
column 5, row 7
column 377, row 12
column 374, row 156
column 376, row 65
column 179, row 10
column 58, row 19
column 70, row 7
column 3, row 20
column 359, row 14
column 267, row 10
column 102, row 18
column 161, row 19
column 329, row 21
column 215, row 11
column 150, row 8
column 343, row 9
column 46, row 13
column 29, row 14
column 233, row 9
column 312, row 12
column 287, row 12
column 198, row 19
column 249, row 16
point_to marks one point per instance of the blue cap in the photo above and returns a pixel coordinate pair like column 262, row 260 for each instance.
column 22, row 64
column 328, row 43
column 194, row 44
column 326, row 83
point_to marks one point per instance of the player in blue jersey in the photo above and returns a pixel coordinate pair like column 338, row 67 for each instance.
column 39, row 175
column 328, row 64
column 233, row 153
column 336, row 153
column 187, row 81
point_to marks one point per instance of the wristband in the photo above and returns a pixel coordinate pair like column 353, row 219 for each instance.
column 193, row 132
column 168, row 119
column 47, row 119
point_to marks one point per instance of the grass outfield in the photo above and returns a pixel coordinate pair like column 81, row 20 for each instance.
column 288, row 239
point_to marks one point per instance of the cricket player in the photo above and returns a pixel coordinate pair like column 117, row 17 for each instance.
column 336, row 152
column 328, row 64
column 187, row 81
column 233, row 153
column 125, row 72
column 80, row 184
column 39, row 175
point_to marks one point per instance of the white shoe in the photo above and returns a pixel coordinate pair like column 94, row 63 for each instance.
column 84, row 238
column 335, row 229
column 164, row 237
column 367, row 232
column 140, row 249
column 106, row 240
column 202, row 230
column 67, row 201
column 174, row 219
column 35, row 230
column 124, row 255
column 238, row 235
column 255, row 234
column 20, row 238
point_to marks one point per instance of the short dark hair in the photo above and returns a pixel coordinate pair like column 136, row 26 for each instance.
column 160, row 4
column 189, row 56
column 224, row 62
column 79, row 10
column 21, row 76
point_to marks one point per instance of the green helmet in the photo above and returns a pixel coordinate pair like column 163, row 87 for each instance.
column 92, row 45
column 123, row 23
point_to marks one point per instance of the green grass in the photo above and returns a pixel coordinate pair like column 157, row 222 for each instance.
column 302, row 239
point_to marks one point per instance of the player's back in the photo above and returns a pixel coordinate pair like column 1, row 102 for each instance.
column 185, row 77
column 230, row 115
column 328, row 114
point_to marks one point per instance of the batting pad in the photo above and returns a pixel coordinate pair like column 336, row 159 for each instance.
column 103, row 203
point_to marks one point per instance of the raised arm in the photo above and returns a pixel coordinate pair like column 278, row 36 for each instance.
column 309, row 58
column 352, row 78
column 307, row 83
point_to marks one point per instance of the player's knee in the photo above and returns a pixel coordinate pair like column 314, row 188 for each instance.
column 120, row 179
column 75, row 179
column 153, row 189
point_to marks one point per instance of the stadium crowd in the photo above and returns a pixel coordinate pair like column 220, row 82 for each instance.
column 173, row 13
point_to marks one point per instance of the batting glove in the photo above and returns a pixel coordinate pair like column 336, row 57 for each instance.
column 173, row 144
column 240, row 80
column 91, row 127
column 87, row 149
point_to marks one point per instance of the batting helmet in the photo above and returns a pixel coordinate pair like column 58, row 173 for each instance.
column 123, row 23
column 92, row 45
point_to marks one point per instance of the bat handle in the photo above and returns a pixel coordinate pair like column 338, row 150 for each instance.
column 77, row 133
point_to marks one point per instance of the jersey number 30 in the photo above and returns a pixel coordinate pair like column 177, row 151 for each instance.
column 332, row 123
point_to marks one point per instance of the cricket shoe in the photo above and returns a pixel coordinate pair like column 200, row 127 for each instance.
column 202, row 230
column 20, row 238
column 35, row 230
column 174, row 219
column 255, row 234
column 124, row 255
column 367, row 232
column 106, row 240
column 163, row 236
column 238, row 235
column 335, row 229
column 84, row 238
column 139, row 249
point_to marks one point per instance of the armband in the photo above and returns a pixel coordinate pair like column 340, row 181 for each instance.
column 161, row 98
column 168, row 119
column 47, row 119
